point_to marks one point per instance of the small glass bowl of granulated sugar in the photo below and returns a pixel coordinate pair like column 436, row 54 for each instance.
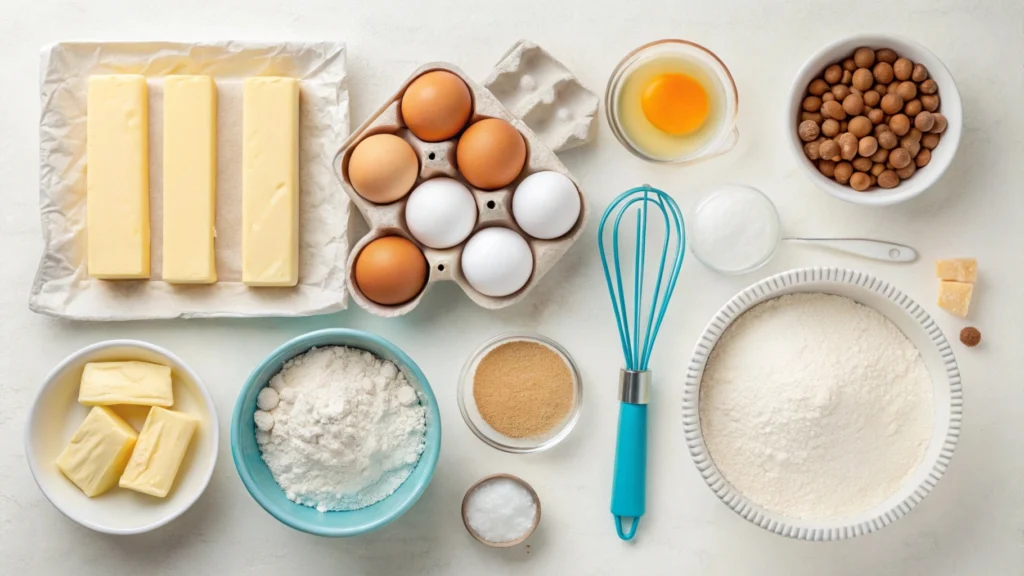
column 520, row 393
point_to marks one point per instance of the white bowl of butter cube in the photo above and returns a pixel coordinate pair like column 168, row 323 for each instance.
column 122, row 437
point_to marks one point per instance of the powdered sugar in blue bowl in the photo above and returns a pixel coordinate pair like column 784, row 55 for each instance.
column 260, row 481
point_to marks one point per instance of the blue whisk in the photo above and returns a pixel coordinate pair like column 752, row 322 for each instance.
column 637, row 336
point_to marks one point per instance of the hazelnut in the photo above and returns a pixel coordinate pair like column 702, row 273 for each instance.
column 847, row 78
column 902, row 69
column 924, row 121
column 906, row 90
column 818, row 87
column 888, row 179
column 833, row 109
column 862, row 79
column 849, row 65
column 880, row 156
column 843, row 126
column 848, row 146
column 899, row 158
column 812, row 116
column 829, row 150
column 860, row 181
column 887, row 55
column 930, row 102
column 923, row 158
column 881, row 89
column 867, row 146
column 930, row 141
column 888, row 140
column 914, row 135
column 860, row 126
column 970, row 337
column 912, row 108
column 808, row 130
column 910, row 145
column 900, row 124
column 940, row 123
column 872, row 98
column 853, row 104
column 929, row 86
column 877, row 169
column 830, row 128
column 840, row 91
column 828, row 168
column 876, row 115
column 828, row 96
column 811, row 149
column 864, row 57
column 907, row 171
column 862, row 164
column 920, row 73
column 893, row 86
column 833, row 74
column 812, row 104
column 883, row 127
column 892, row 103
column 883, row 72
column 843, row 172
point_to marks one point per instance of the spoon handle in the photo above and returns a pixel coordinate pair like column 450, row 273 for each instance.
column 874, row 249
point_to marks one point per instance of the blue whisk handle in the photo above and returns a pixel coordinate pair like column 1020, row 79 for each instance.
column 629, row 485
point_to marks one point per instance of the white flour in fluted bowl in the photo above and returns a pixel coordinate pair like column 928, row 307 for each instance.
column 815, row 407
column 339, row 428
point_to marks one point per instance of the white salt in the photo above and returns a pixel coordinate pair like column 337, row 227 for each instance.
column 501, row 510
column 735, row 229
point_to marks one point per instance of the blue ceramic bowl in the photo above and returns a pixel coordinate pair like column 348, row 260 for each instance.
column 260, row 483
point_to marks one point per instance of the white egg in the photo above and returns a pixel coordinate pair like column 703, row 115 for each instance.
column 441, row 213
column 546, row 205
column 497, row 261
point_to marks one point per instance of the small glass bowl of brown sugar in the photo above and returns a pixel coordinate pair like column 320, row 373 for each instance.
column 520, row 392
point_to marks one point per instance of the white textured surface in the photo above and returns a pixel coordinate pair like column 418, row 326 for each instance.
column 972, row 524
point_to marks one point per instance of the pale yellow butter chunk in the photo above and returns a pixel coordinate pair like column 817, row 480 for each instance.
column 955, row 297
column 139, row 383
column 957, row 269
column 98, row 452
column 270, row 182
column 158, row 454
column 190, row 179
column 117, row 177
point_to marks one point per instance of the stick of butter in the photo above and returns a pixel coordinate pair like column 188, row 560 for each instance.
column 270, row 182
column 158, row 454
column 117, row 177
column 98, row 452
column 139, row 383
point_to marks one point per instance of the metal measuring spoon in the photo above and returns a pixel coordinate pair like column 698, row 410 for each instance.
column 865, row 247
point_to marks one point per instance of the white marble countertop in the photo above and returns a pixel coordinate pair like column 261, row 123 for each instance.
column 973, row 523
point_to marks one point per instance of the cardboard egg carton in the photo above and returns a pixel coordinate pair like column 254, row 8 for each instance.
column 438, row 159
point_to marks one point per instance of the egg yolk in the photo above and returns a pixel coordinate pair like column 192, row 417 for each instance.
column 676, row 104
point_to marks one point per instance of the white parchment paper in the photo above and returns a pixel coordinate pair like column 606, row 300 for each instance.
column 62, row 285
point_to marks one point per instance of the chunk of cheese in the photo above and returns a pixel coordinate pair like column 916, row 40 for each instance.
column 117, row 177
column 190, row 179
column 158, row 454
column 957, row 269
column 98, row 452
column 955, row 297
column 270, row 182
column 139, row 383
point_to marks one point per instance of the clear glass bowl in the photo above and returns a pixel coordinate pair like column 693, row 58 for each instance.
column 727, row 135
column 483, row 431
column 755, row 198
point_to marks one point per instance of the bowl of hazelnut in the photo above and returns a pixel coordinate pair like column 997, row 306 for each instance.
column 874, row 119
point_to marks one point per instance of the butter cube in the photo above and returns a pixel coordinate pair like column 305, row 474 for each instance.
column 955, row 297
column 117, row 177
column 98, row 452
column 190, row 179
column 139, row 383
column 270, row 182
column 158, row 454
column 957, row 269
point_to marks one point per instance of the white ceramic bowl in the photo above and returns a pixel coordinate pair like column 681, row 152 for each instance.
column 56, row 414
column 949, row 105
column 919, row 328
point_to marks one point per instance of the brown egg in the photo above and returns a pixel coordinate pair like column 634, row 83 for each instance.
column 491, row 154
column 436, row 106
column 383, row 168
column 391, row 270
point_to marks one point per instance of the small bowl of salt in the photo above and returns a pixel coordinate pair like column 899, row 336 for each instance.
column 501, row 510
column 735, row 229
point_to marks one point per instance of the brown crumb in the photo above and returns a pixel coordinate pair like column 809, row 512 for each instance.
column 970, row 336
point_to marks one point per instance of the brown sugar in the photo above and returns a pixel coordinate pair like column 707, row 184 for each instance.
column 523, row 389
